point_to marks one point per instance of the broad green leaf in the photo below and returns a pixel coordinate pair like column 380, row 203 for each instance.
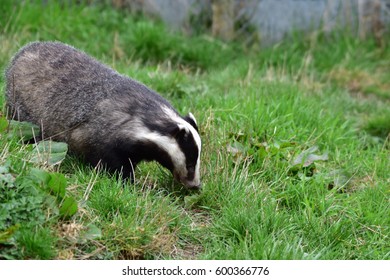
column 3, row 169
column 5, row 176
column 191, row 200
column 92, row 232
column 53, row 147
column 49, row 152
column 236, row 148
column 307, row 157
column 337, row 179
column 57, row 185
column 52, row 203
column 42, row 176
column 23, row 130
column 68, row 207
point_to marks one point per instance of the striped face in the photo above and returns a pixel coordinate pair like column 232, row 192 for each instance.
column 185, row 153
column 178, row 148
column 187, row 166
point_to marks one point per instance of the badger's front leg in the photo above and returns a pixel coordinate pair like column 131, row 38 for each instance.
column 119, row 164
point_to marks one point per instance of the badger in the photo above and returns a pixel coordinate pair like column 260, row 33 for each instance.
column 104, row 117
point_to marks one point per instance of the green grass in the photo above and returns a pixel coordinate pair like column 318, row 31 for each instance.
column 295, row 160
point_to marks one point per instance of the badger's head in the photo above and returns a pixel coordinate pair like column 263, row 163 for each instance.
column 174, row 142
column 183, row 147
column 186, row 156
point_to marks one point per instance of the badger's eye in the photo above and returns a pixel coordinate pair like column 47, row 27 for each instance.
column 190, row 168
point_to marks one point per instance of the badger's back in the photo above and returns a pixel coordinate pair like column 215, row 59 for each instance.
column 58, row 87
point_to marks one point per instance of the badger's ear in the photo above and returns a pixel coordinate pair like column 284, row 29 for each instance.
column 180, row 131
column 191, row 120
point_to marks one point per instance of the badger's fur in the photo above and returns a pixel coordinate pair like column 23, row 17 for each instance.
column 104, row 117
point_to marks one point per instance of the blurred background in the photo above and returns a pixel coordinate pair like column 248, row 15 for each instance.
column 265, row 21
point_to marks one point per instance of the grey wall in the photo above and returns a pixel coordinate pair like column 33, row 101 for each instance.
column 274, row 19
column 277, row 18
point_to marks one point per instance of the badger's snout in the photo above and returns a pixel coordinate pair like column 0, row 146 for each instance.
column 191, row 184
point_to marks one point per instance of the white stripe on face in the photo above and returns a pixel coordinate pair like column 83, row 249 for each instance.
column 168, row 144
